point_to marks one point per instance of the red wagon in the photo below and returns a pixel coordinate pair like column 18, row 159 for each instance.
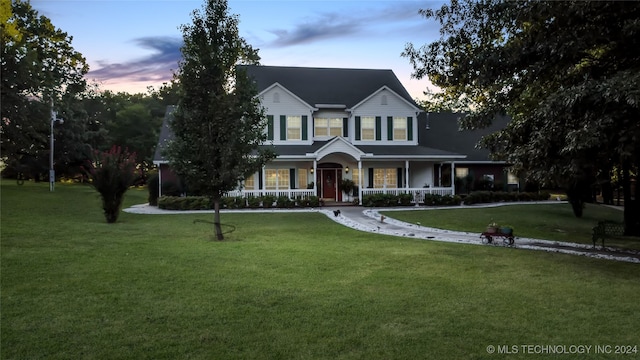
column 490, row 237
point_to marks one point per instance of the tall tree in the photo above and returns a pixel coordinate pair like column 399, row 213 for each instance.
column 39, row 67
column 219, row 122
column 568, row 73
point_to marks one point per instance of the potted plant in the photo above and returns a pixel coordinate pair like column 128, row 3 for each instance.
column 492, row 228
column 346, row 185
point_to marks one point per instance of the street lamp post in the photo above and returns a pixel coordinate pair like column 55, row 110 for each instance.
column 52, row 172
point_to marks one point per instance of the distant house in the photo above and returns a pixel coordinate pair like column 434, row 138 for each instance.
column 332, row 124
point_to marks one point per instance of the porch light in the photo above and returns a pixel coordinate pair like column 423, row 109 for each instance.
column 311, row 169
column 346, row 169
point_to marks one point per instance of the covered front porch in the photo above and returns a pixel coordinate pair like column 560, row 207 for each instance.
column 338, row 171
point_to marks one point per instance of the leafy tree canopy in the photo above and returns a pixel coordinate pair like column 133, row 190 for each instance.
column 39, row 67
column 219, row 122
column 567, row 72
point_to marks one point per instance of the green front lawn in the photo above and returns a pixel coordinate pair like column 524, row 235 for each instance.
column 552, row 221
column 287, row 286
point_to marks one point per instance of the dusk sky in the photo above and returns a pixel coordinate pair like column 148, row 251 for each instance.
column 130, row 45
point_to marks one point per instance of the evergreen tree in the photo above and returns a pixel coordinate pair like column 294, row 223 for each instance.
column 219, row 122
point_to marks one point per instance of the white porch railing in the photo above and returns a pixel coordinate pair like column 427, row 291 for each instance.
column 290, row 193
column 418, row 193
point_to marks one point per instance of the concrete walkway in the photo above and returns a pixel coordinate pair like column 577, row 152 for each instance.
column 369, row 220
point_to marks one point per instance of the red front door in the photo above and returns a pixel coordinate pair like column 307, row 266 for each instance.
column 330, row 179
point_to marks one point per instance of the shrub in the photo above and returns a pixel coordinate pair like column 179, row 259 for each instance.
column 254, row 201
column 314, row 201
column 479, row 197
column 171, row 188
column 268, row 200
column 153, row 185
column 284, row 202
column 111, row 173
column 229, row 202
column 380, row 200
column 405, row 199
column 185, row 203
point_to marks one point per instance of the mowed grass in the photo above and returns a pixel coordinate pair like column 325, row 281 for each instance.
column 283, row 286
column 540, row 221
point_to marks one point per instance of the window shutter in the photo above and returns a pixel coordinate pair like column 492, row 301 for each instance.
column 305, row 136
column 292, row 178
column 410, row 128
column 345, row 127
column 358, row 128
column 370, row 178
column 400, row 178
column 260, row 178
column 283, row 127
column 269, row 127
column 378, row 128
column 389, row 127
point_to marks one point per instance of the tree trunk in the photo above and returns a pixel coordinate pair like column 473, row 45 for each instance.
column 216, row 219
column 631, row 211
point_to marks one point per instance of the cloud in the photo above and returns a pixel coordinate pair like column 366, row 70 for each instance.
column 335, row 25
column 156, row 67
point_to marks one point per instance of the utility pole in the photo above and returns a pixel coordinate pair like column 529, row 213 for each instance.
column 52, row 172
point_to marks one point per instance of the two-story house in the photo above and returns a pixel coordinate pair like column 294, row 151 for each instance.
column 330, row 124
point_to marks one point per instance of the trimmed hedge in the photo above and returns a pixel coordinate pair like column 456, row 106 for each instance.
column 254, row 202
column 441, row 200
column 477, row 197
column 480, row 197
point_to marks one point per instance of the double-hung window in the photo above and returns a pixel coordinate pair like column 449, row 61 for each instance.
column 385, row 178
column 368, row 128
column 328, row 127
column 302, row 178
column 294, row 127
column 399, row 128
column 276, row 179
column 249, row 182
column 355, row 176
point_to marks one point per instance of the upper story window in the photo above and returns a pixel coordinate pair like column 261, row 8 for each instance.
column 294, row 127
column 368, row 128
column 399, row 128
column 328, row 127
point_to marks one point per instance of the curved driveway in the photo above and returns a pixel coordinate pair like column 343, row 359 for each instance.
column 369, row 219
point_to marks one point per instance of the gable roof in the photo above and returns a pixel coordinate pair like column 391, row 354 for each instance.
column 328, row 85
column 441, row 131
column 166, row 135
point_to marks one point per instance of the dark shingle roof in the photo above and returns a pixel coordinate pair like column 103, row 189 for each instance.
column 166, row 134
column 444, row 133
column 327, row 85
column 406, row 151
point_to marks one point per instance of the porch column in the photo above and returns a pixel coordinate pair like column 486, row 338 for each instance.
column 406, row 174
column 453, row 178
column 360, row 181
column 315, row 177
column 440, row 175
column 264, row 181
